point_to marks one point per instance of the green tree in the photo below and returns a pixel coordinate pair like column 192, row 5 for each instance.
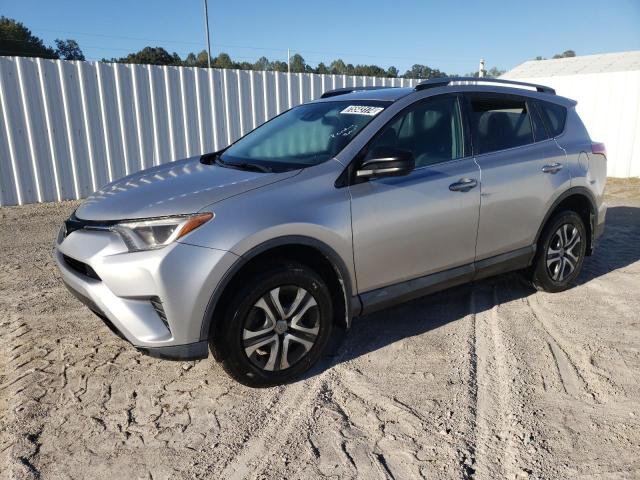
column 262, row 64
column 68, row 49
column 223, row 60
column 392, row 72
column 297, row 64
column 565, row 54
column 321, row 68
column 279, row 66
column 202, row 59
column 151, row 56
column 190, row 60
column 423, row 72
column 338, row 67
column 494, row 72
column 368, row 70
column 16, row 39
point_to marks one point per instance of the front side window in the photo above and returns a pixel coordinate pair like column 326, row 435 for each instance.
column 431, row 131
column 303, row 136
column 499, row 123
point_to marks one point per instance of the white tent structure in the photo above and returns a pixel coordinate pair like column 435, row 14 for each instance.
column 607, row 89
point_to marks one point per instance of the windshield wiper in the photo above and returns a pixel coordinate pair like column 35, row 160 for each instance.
column 244, row 166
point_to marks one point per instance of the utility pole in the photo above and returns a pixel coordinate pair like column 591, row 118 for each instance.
column 288, row 61
column 206, row 21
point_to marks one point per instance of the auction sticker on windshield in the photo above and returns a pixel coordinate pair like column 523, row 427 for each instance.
column 362, row 110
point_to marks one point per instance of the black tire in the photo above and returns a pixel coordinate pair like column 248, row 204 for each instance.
column 242, row 312
column 555, row 272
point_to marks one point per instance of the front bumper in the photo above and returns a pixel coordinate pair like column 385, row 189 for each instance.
column 155, row 299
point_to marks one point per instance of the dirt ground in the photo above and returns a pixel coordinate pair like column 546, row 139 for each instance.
column 490, row 380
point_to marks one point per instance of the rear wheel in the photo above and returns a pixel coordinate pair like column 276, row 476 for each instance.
column 560, row 253
column 276, row 326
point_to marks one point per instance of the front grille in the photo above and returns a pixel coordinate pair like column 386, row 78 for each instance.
column 74, row 223
column 156, row 303
column 81, row 267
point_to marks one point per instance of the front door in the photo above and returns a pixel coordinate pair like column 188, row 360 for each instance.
column 425, row 222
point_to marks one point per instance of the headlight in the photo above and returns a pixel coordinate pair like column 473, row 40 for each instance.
column 156, row 233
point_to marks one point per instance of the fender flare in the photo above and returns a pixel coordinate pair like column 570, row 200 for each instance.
column 583, row 191
column 352, row 304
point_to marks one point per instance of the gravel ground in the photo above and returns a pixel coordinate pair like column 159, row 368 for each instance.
column 490, row 380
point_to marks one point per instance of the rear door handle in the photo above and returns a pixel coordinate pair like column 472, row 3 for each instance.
column 552, row 168
column 463, row 185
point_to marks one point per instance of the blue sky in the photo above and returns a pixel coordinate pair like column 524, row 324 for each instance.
column 451, row 36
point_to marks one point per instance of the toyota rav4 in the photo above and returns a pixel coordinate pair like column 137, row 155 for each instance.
column 336, row 208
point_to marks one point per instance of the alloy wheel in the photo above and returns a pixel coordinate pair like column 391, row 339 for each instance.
column 563, row 253
column 281, row 328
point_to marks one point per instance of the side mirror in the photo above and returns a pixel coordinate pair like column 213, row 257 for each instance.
column 386, row 162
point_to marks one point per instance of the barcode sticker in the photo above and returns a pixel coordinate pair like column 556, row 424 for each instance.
column 362, row 110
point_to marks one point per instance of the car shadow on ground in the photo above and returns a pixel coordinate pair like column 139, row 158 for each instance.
column 618, row 247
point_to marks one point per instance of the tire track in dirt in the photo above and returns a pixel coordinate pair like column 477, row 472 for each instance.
column 284, row 413
column 382, row 432
column 354, row 429
column 288, row 411
column 368, row 447
column 17, row 451
column 572, row 379
column 6, row 439
column 494, row 450
column 361, row 441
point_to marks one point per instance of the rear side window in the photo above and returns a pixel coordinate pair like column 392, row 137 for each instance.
column 554, row 117
column 539, row 128
column 499, row 123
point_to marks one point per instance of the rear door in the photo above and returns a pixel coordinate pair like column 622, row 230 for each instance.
column 408, row 227
column 522, row 171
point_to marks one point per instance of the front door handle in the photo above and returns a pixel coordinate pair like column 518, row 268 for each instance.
column 463, row 185
column 552, row 168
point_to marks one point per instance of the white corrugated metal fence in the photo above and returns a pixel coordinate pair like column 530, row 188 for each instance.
column 66, row 128
column 609, row 106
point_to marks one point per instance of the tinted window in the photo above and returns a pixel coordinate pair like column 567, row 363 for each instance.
column 430, row 130
column 539, row 129
column 500, row 123
column 305, row 135
column 554, row 116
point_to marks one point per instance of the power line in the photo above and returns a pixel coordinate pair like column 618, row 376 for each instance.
column 252, row 47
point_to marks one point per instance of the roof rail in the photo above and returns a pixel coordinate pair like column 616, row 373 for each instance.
column 441, row 82
column 343, row 91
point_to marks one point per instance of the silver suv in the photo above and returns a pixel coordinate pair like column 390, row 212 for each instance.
column 336, row 208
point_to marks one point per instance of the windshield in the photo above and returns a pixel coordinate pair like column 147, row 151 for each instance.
column 303, row 136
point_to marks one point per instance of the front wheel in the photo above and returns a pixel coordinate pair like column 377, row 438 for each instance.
column 561, row 253
column 276, row 326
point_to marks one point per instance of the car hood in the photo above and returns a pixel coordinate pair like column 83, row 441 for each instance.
column 185, row 186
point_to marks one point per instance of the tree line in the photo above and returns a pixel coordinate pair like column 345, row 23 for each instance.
column 297, row 64
column 565, row 54
column 16, row 39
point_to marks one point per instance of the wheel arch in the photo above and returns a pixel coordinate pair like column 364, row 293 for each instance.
column 307, row 250
column 580, row 200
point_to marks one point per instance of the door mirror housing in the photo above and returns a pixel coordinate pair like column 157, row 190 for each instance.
column 386, row 162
